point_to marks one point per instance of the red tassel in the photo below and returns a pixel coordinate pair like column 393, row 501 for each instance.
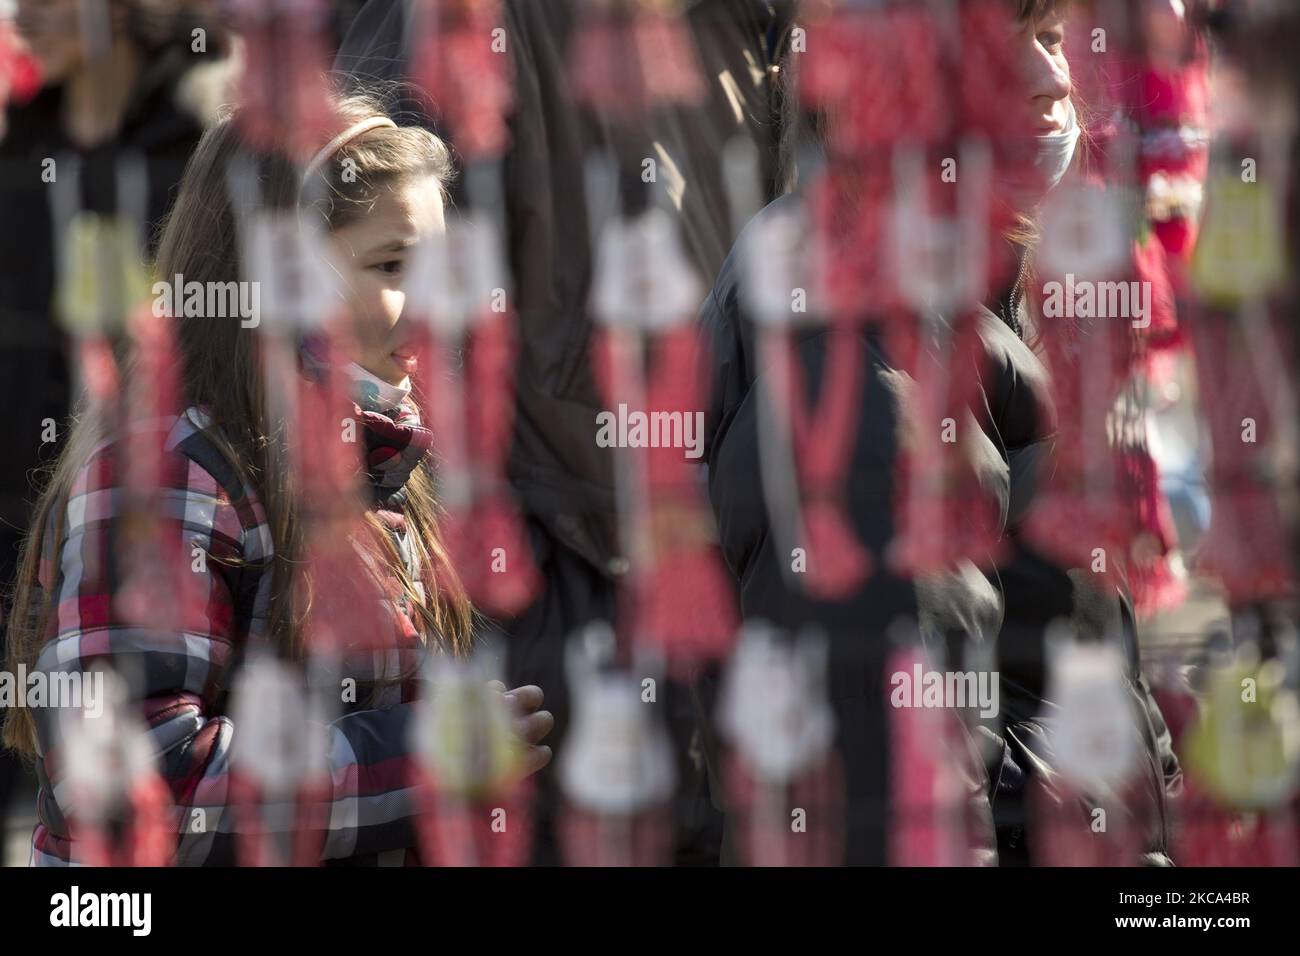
column 595, row 839
column 627, row 64
column 687, row 596
column 823, row 440
column 684, row 598
column 464, row 68
column 1207, row 834
column 943, row 515
column 99, row 370
column 148, row 839
column 670, row 70
column 688, row 604
column 799, row 823
column 850, row 213
column 1081, row 508
column 493, row 830
column 879, row 74
column 286, row 103
column 1247, row 546
column 152, row 546
column 493, row 554
column 343, row 609
column 929, row 819
column 490, row 414
column 1154, row 585
column 256, row 845
column 20, row 71
column 1065, row 829
column 472, row 417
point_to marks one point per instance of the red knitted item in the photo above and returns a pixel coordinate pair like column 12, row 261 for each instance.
column 795, row 823
column 822, row 438
column 159, row 588
column 1206, row 834
column 489, row 830
column 930, row 823
column 595, row 839
column 942, row 513
column 1247, row 545
column 682, row 596
column 148, row 839
column 254, row 842
column 627, row 64
column 1065, row 829
column 463, row 66
column 285, row 101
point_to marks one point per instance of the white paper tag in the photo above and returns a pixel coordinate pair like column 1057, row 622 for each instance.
column 280, row 740
column 106, row 748
column 1094, row 731
column 455, row 277
column 617, row 758
column 773, row 706
column 642, row 277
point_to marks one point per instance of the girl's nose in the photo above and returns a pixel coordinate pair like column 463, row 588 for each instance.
column 1049, row 79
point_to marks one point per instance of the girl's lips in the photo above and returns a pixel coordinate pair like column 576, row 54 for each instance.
column 407, row 361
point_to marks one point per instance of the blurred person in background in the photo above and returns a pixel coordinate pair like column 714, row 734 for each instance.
column 1017, row 600
column 120, row 81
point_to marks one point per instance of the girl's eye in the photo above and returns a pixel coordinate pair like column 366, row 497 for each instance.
column 391, row 267
column 1051, row 39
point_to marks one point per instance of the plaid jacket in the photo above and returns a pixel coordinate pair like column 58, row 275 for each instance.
column 180, row 679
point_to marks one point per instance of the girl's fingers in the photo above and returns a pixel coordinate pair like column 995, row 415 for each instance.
column 535, row 758
column 497, row 686
column 535, row 726
column 527, row 698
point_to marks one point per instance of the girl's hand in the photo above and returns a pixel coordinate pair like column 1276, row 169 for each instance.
column 531, row 722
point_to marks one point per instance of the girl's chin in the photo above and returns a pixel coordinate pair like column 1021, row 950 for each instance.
column 388, row 370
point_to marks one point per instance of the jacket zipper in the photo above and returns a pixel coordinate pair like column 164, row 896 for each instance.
column 1013, row 307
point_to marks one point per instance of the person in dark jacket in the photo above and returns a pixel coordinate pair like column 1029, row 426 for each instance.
column 99, row 114
column 1016, row 600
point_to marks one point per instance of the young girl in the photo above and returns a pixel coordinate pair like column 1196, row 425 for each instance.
column 241, row 506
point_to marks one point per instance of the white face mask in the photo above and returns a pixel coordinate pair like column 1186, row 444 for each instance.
column 1056, row 150
column 369, row 391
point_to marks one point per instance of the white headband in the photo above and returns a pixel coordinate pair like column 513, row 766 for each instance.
column 330, row 148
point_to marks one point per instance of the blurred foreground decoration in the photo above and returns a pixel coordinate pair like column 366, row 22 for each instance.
column 875, row 241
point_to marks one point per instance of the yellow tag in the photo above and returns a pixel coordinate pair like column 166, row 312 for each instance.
column 1239, row 254
column 104, row 275
column 470, row 743
column 1243, row 749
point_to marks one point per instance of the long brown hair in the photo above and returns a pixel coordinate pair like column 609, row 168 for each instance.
column 222, row 371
